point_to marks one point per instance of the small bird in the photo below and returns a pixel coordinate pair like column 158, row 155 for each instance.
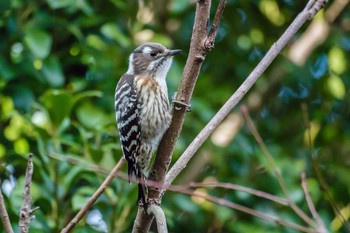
column 142, row 108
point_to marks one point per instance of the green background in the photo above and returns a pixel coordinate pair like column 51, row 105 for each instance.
column 61, row 59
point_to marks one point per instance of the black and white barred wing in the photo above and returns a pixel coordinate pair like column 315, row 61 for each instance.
column 127, row 114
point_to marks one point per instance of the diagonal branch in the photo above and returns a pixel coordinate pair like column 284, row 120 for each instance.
column 82, row 212
column 309, row 11
column 320, row 224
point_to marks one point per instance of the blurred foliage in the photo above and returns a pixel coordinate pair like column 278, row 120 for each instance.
column 59, row 64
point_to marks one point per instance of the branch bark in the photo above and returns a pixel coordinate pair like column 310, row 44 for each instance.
column 26, row 213
column 4, row 215
column 158, row 213
column 201, row 43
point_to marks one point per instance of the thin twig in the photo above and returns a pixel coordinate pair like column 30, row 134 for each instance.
column 26, row 213
column 271, row 163
column 4, row 215
column 94, row 197
column 240, row 93
column 79, row 162
column 236, row 187
column 174, row 188
column 320, row 178
column 184, row 190
column 320, row 224
column 244, row 209
column 210, row 41
column 273, row 166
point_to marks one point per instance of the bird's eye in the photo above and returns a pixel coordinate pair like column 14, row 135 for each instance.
column 153, row 54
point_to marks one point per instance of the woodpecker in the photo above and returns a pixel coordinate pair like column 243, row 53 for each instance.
column 142, row 108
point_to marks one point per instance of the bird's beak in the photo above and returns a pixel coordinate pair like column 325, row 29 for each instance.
column 173, row 52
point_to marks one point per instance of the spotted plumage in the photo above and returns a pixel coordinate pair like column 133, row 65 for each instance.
column 142, row 107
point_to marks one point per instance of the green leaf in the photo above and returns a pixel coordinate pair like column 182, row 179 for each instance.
column 336, row 87
column 38, row 41
column 337, row 60
column 90, row 116
column 85, row 229
column 6, row 106
column 58, row 104
column 81, row 197
column 96, row 153
column 21, row 146
column 86, row 94
column 70, row 176
column 224, row 213
column 56, row 4
column 53, row 72
column 7, row 72
column 112, row 31
column 96, row 42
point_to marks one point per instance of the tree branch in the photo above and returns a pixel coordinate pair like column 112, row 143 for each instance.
column 316, row 33
column 236, row 187
column 26, row 213
column 158, row 213
column 4, row 215
column 209, row 43
column 298, row 52
column 153, row 211
column 189, row 77
column 309, row 11
column 195, row 59
column 320, row 224
column 82, row 212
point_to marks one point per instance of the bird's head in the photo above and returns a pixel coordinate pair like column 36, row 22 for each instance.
column 151, row 58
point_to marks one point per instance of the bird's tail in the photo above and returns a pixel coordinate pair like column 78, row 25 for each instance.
column 142, row 188
column 142, row 191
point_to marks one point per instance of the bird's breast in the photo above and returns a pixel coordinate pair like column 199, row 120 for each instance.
column 155, row 114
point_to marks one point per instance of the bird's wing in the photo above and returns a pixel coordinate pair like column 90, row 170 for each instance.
column 128, row 116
